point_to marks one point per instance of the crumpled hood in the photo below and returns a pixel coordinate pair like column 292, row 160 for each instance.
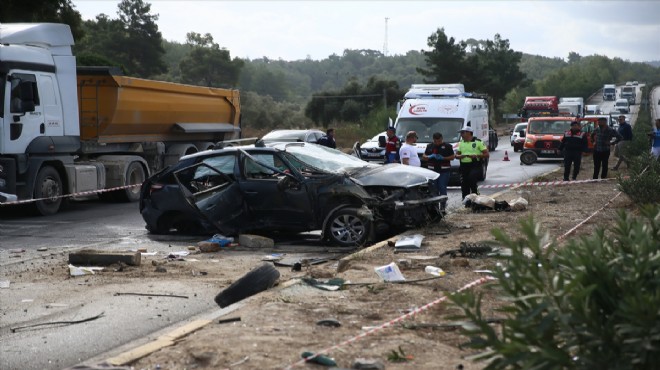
column 395, row 175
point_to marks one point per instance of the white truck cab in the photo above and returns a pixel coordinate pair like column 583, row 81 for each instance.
column 443, row 108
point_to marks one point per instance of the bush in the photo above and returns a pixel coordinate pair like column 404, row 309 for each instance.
column 643, row 180
column 592, row 304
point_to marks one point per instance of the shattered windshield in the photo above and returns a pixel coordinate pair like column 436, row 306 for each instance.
column 325, row 158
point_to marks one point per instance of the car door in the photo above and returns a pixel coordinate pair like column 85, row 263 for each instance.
column 215, row 195
column 275, row 197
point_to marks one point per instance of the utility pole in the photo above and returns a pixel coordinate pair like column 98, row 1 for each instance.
column 385, row 51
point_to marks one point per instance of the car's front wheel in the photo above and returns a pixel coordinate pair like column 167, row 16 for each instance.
column 347, row 227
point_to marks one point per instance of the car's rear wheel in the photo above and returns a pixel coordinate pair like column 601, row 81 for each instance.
column 347, row 227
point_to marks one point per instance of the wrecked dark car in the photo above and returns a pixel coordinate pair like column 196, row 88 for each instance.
column 288, row 187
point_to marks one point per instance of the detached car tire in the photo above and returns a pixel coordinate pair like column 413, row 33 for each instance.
column 528, row 157
column 348, row 228
column 257, row 280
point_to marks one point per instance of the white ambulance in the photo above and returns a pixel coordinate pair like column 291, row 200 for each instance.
column 443, row 108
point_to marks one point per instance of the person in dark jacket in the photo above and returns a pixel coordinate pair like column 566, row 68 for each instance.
column 602, row 139
column 328, row 139
column 625, row 130
column 573, row 145
column 438, row 155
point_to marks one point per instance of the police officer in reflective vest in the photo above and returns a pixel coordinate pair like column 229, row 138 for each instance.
column 471, row 152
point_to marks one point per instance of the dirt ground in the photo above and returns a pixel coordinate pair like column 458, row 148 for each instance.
column 278, row 325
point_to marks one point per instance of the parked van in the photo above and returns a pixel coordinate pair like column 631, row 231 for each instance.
column 622, row 106
column 443, row 108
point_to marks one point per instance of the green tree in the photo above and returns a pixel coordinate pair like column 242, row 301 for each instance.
column 207, row 64
column 102, row 37
column 55, row 11
column 445, row 61
column 142, row 43
column 496, row 69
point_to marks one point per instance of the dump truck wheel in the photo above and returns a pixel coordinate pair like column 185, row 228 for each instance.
column 134, row 175
column 348, row 228
column 528, row 157
column 259, row 279
column 48, row 185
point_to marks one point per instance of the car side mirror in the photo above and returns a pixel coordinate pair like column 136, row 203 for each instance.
column 382, row 141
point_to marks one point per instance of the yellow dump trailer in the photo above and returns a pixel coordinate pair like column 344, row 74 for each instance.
column 120, row 109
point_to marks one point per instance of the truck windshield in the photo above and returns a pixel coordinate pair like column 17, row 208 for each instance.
column 548, row 127
column 425, row 127
column 609, row 90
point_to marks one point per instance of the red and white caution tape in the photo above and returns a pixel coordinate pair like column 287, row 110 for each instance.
column 392, row 322
column 538, row 183
column 83, row 193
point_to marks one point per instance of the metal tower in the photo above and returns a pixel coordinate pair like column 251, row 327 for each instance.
column 385, row 51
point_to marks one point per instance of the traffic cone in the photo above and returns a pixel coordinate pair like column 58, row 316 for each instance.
column 506, row 156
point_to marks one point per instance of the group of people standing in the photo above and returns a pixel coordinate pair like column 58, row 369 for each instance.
column 438, row 156
column 575, row 143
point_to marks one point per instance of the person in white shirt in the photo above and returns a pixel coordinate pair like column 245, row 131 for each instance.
column 408, row 151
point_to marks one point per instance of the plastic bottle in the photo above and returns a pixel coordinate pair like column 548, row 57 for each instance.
column 436, row 271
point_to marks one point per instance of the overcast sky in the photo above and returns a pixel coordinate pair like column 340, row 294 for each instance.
column 293, row 30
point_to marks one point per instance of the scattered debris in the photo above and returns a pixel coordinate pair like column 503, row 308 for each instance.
column 153, row 295
column 389, row 272
column 470, row 250
column 104, row 258
column 519, row 204
column 330, row 284
column 257, row 280
column 80, row 271
column 42, row 249
column 273, row 257
column 367, row 364
column 435, row 271
column 160, row 269
column 208, row 247
column 255, row 241
column 243, row 360
column 19, row 250
column 329, row 322
column 158, row 263
column 231, row 319
column 14, row 330
column 4, row 284
column 409, row 242
column 318, row 359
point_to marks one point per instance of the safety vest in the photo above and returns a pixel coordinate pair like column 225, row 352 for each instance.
column 467, row 148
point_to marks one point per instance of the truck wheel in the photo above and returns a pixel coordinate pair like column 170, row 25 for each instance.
column 134, row 175
column 528, row 157
column 48, row 185
column 257, row 280
column 347, row 228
